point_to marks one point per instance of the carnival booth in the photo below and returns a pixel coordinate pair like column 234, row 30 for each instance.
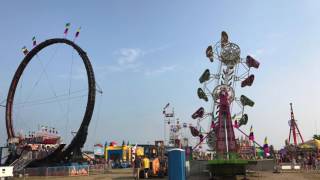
column 122, row 156
column 312, row 146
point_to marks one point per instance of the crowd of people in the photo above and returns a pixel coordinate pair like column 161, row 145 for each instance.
column 306, row 154
column 307, row 160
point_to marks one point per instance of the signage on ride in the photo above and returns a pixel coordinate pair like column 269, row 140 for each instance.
column 13, row 140
column 98, row 150
column 6, row 171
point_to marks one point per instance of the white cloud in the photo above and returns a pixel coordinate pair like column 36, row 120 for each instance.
column 130, row 59
column 160, row 70
column 129, row 55
column 135, row 67
column 127, row 59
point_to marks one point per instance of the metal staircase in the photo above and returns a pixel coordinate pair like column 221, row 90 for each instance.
column 20, row 163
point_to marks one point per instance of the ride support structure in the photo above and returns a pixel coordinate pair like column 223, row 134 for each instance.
column 225, row 135
column 71, row 152
column 294, row 129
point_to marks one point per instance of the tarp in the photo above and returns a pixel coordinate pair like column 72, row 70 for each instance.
column 317, row 143
column 310, row 144
column 305, row 146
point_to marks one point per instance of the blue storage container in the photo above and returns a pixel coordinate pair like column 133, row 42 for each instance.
column 177, row 164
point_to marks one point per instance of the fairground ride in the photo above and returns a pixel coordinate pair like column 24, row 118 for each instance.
column 220, row 87
column 43, row 149
column 295, row 136
column 174, row 134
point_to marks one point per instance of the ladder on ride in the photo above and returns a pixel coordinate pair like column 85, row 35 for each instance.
column 20, row 163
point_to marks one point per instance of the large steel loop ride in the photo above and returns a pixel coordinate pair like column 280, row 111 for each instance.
column 79, row 139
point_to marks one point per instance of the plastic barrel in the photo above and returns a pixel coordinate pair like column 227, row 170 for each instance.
column 177, row 164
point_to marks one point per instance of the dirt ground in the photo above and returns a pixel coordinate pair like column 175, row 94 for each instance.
column 127, row 174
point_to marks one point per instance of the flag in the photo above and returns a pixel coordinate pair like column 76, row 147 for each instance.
column 251, row 135
column 266, row 148
column 34, row 42
column 78, row 32
column 266, row 141
column 67, row 28
column 25, row 50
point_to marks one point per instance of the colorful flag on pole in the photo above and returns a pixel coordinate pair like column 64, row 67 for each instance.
column 265, row 141
column 78, row 32
column 266, row 148
column 251, row 135
column 25, row 50
column 67, row 28
column 34, row 42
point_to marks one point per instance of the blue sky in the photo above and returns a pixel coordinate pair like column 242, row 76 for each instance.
column 148, row 53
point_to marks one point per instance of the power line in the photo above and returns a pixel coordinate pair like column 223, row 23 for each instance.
column 49, row 98
column 53, row 101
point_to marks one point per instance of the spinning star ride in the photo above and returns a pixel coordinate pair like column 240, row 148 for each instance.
column 220, row 87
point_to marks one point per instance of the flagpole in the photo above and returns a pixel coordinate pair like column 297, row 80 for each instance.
column 77, row 34
column 248, row 137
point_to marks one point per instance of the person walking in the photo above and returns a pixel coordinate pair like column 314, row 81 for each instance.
column 146, row 166
column 137, row 166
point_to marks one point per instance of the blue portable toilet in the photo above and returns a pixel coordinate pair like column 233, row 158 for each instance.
column 177, row 164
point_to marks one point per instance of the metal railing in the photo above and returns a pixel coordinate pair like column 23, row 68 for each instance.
column 79, row 170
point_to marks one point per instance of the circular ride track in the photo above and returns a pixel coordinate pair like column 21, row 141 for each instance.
column 73, row 150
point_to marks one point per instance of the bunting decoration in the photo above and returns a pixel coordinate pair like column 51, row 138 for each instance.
column 34, row 42
column 78, row 32
column 67, row 28
column 25, row 50
column 251, row 135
